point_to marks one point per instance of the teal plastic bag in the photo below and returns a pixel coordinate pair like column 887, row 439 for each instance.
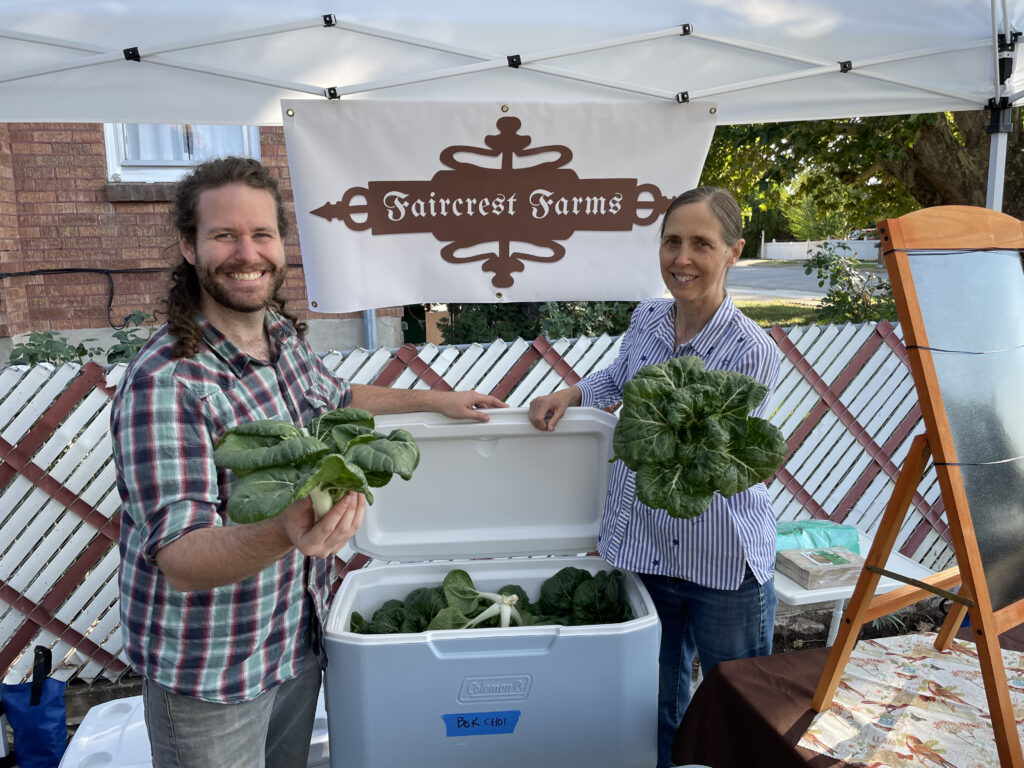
column 37, row 715
column 812, row 534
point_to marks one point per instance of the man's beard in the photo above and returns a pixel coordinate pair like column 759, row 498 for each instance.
column 219, row 294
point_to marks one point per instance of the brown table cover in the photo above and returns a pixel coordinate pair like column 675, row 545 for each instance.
column 751, row 713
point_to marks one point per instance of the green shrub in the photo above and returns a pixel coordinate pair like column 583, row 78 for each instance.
column 855, row 293
column 470, row 323
column 50, row 347
column 572, row 319
column 130, row 338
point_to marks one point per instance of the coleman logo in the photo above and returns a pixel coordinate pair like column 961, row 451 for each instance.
column 500, row 205
column 504, row 688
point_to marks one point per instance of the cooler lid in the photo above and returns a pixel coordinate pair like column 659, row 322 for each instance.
column 496, row 489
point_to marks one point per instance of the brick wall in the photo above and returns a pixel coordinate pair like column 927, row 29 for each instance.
column 13, row 304
column 58, row 212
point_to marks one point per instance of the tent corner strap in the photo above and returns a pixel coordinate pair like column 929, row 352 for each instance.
column 1001, row 118
column 1008, row 43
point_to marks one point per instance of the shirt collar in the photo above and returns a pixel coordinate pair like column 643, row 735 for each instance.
column 662, row 322
column 708, row 337
column 281, row 332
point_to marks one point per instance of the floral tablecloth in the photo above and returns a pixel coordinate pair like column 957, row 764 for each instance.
column 900, row 702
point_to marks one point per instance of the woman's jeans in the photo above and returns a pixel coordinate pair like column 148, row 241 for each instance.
column 271, row 731
column 716, row 625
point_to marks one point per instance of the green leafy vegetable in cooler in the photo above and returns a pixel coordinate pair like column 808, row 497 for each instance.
column 463, row 600
column 339, row 451
column 572, row 596
column 687, row 433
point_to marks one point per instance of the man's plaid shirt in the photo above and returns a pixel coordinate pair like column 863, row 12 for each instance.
column 231, row 643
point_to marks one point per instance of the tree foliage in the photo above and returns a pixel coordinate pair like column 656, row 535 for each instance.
column 894, row 163
column 821, row 206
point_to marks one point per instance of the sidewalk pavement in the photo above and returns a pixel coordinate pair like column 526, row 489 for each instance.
column 761, row 280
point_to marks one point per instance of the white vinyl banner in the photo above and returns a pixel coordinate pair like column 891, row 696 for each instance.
column 403, row 202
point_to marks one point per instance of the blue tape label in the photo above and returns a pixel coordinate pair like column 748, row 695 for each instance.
column 481, row 723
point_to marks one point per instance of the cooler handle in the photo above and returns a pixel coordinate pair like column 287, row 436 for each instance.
column 492, row 645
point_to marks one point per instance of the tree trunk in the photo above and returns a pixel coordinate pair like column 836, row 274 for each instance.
column 948, row 163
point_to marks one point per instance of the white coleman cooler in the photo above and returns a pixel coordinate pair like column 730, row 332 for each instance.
column 510, row 505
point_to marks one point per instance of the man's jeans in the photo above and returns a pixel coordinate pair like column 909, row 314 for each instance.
column 716, row 625
column 271, row 731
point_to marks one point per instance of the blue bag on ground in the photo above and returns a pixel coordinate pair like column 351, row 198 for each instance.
column 37, row 715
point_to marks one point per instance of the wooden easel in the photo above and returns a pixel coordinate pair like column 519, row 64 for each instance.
column 943, row 228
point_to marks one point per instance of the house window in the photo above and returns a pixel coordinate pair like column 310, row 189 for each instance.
column 166, row 152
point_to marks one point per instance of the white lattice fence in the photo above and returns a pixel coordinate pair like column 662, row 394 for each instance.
column 847, row 405
column 845, row 401
column 59, row 556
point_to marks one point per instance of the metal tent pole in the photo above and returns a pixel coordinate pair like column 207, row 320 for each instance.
column 1004, row 41
column 996, row 166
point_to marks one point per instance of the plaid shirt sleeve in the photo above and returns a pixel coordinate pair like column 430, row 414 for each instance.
column 166, row 461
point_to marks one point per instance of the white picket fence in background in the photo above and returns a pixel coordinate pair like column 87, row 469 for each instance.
column 863, row 250
column 58, row 574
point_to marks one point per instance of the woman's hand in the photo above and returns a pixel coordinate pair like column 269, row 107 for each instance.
column 326, row 536
column 547, row 411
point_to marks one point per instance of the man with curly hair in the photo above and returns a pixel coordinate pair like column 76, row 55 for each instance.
column 223, row 621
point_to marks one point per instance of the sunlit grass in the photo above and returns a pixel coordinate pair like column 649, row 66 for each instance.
column 769, row 313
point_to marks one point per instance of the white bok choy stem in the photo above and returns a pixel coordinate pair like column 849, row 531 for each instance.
column 503, row 606
column 322, row 502
column 321, row 499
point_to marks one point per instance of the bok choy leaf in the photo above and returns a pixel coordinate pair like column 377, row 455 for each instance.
column 339, row 451
column 688, row 433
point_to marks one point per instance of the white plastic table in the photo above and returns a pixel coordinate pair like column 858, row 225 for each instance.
column 791, row 593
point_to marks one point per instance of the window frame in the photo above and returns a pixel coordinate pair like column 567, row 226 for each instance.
column 120, row 169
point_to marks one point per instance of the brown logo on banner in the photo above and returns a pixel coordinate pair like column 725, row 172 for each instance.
column 536, row 200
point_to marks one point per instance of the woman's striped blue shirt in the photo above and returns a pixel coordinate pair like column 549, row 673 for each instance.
column 714, row 548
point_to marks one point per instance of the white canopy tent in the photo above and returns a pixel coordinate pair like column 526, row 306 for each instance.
column 761, row 60
column 232, row 61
